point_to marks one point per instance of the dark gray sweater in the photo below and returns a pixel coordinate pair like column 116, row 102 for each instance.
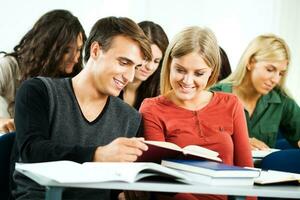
column 50, row 126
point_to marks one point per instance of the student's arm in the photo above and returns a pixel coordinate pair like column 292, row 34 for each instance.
column 290, row 123
column 153, row 127
column 242, row 152
column 33, row 129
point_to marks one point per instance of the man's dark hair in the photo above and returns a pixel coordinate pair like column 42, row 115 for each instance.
column 107, row 28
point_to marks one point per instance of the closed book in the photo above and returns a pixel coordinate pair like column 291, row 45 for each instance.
column 210, row 168
column 62, row 172
column 195, row 178
column 159, row 150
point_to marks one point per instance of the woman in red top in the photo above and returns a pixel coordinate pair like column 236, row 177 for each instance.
column 187, row 113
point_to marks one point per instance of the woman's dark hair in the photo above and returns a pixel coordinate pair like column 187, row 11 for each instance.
column 150, row 87
column 41, row 50
column 225, row 70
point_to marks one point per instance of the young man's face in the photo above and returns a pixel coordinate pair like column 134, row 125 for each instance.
column 113, row 69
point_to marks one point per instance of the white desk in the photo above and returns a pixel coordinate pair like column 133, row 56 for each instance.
column 55, row 191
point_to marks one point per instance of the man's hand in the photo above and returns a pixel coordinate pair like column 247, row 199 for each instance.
column 121, row 150
column 7, row 125
column 257, row 144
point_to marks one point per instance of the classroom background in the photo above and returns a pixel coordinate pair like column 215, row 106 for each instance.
column 235, row 22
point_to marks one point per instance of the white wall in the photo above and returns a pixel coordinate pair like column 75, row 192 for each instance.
column 235, row 22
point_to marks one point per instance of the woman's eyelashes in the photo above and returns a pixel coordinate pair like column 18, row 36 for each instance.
column 183, row 71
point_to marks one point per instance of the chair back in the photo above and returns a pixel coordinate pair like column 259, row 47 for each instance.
column 285, row 160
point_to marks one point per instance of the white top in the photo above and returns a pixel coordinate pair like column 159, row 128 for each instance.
column 10, row 76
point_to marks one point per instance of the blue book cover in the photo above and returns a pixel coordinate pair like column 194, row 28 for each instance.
column 210, row 168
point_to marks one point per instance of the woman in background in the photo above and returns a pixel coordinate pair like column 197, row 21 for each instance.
column 186, row 113
column 146, row 82
column 146, row 78
column 225, row 70
column 258, row 81
column 52, row 47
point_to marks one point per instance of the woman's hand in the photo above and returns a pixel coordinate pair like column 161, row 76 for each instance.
column 7, row 125
column 257, row 144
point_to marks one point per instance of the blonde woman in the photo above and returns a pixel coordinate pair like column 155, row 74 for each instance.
column 258, row 81
column 187, row 113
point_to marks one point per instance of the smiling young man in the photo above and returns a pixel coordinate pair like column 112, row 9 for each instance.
column 80, row 119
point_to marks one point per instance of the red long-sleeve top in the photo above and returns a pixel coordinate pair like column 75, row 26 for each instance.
column 219, row 126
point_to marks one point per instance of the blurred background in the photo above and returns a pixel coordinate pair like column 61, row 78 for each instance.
column 235, row 22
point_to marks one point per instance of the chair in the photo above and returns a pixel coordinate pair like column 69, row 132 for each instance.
column 282, row 143
column 285, row 160
column 6, row 143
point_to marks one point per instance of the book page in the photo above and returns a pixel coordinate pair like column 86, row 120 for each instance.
column 199, row 150
column 69, row 171
column 272, row 176
column 57, row 172
column 167, row 145
column 262, row 153
column 127, row 171
column 159, row 150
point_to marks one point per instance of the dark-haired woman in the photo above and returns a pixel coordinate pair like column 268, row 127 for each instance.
column 147, row 77
column 52, row 47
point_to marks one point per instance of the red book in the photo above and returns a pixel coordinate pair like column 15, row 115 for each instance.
column 159, row 150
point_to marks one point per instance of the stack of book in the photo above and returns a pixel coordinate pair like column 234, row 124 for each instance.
column 213, row 173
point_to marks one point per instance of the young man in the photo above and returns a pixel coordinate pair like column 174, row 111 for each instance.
column 80, row 119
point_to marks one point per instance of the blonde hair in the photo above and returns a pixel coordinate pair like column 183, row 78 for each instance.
column 267, row 47
column 192, row 39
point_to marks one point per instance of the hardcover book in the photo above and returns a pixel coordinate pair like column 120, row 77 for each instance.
column 159, row 150
column 210, row 168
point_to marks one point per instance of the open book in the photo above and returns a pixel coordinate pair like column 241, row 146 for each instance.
column 276, row 177
column 57, row 172
column 159, row 150
column 262, row 153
